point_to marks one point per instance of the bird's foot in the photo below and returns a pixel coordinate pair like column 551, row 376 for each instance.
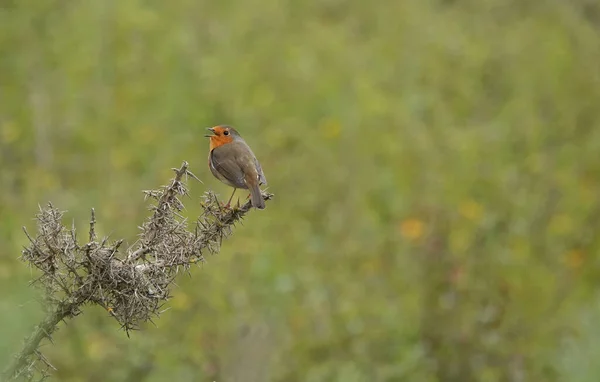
column 229, row 206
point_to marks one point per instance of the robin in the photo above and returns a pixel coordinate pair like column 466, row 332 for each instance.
column 232, row 162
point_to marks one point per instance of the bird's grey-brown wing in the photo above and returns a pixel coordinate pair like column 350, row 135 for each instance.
column 224, row 165
column 251, row 158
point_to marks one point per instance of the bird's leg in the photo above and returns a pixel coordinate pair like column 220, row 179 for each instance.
column 231, row 197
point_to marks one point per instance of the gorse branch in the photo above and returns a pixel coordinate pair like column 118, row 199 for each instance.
column 132, row 284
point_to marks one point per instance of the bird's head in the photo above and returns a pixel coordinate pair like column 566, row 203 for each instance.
column 221, row 135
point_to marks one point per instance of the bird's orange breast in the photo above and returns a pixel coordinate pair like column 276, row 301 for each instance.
column 219, row 140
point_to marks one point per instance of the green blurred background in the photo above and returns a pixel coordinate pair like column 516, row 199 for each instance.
column 436, row 166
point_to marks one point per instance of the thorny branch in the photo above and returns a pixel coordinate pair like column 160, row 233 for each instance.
column 133, row 284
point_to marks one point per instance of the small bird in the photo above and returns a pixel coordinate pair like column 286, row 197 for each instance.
column 232, row 162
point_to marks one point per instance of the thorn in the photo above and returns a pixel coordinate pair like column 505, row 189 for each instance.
column 188, row 172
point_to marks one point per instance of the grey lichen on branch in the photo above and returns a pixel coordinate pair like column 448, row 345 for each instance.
column 132, row 284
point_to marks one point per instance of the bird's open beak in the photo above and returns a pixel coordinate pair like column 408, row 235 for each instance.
column 212, row 131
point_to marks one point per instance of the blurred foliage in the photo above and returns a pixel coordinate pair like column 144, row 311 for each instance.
column 435, row 165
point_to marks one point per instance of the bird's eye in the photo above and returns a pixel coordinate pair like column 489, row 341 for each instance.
column 226, row 132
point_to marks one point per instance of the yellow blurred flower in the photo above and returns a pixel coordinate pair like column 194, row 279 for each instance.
column 587, row 191
column 520, row 249
column 574, row 259
column 561, row 224
column 9, row 132
column 371, row 266
column 471, row 210
column 297, row 322
column 331, row 128
column 412, row 229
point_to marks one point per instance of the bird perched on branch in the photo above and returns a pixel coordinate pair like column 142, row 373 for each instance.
column 232, row 162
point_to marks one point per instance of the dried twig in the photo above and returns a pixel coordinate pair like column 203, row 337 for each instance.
column 132, row 285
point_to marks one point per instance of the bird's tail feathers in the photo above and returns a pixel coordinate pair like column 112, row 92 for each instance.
column 256, row 197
